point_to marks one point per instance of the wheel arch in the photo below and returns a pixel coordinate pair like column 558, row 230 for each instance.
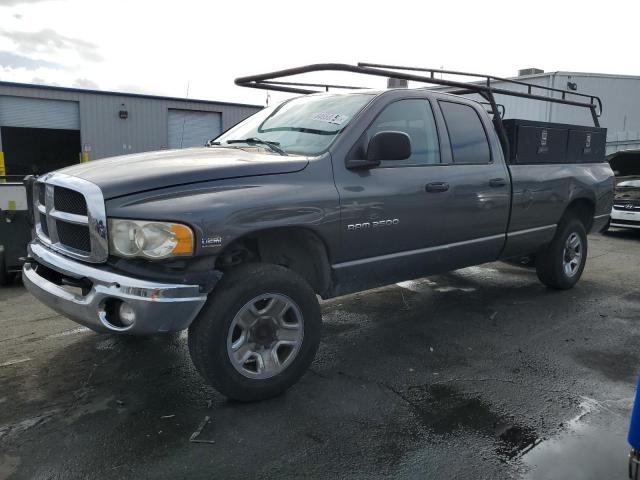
column 583, row 209
column 300, row 249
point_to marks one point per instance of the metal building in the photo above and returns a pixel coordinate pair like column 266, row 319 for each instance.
column 43, row 128
column 620, row 96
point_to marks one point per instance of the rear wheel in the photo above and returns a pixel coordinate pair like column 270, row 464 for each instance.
column 561, row 263
column 258, row 333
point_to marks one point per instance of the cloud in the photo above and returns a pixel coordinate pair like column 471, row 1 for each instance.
column 138, row 88
column 12, row 3
column 9, row 59
column 85, row 83
column 48, row 41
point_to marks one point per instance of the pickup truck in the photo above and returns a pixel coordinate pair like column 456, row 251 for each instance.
column 322, row 195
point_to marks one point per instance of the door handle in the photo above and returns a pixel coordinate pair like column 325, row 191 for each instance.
column 497, row 182
column 437, row 187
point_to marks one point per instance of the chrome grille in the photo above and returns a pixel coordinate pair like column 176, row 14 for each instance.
column 43, row 224
column 70, row 216
column 66, row 200
column 629, row 206
column 74, row 236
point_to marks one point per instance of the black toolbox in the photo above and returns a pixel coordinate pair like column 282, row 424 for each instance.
column 532, row 142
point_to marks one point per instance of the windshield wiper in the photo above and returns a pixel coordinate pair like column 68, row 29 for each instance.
column 274, row 146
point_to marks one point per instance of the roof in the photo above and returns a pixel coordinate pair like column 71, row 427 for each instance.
column 121, row 94
column 578, row 74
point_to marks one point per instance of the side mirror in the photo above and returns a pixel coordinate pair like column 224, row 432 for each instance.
column 389, row 146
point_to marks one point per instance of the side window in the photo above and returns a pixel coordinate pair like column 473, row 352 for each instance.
column 415, row 118
column 468, row 138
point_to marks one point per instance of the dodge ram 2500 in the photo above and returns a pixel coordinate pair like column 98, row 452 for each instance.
column 322, row 195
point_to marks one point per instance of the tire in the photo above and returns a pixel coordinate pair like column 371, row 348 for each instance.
column 569, row 242
column 240, row 320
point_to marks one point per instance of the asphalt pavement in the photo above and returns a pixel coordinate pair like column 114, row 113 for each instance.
column 480, row 373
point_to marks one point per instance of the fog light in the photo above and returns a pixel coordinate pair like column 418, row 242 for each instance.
column 126, row 314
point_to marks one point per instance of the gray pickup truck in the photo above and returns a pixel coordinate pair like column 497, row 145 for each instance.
column 323, row 195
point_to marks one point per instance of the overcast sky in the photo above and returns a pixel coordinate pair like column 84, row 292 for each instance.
column 161, row 47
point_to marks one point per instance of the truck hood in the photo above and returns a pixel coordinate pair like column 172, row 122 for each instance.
column 127, row 174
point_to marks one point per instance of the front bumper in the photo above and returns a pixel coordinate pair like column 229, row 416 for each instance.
column 625, row 219
column 158, row 307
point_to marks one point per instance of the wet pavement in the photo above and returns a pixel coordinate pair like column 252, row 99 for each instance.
column 481, row 373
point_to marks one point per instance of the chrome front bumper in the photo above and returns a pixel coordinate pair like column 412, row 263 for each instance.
column 158, row 307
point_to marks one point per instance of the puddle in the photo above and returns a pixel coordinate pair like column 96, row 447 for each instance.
column 583, row 451
column 8, row 465
column 478, row 270
column 454, row 289
column 587, row 453
column 617, row 366
column 425, row 285
column 418, row 286
column 443, row 410
column 10, row 430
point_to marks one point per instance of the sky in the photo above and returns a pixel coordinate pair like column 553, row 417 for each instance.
column 197, row 48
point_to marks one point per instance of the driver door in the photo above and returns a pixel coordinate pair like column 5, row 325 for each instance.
column 391, row 216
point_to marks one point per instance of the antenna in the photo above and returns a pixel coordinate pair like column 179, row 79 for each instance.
column 184, row 115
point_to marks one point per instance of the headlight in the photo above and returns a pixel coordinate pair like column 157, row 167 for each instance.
column 149, row 239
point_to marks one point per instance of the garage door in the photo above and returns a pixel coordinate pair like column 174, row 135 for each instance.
column 38, row 135
column 191, row 128
column 38, row 113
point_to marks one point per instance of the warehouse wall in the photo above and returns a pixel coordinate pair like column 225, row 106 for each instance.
column 619, row 94
column 104, row 133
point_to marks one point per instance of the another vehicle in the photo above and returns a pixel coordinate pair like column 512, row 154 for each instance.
column 626, row 202
column 626, row 205
column 322, row 195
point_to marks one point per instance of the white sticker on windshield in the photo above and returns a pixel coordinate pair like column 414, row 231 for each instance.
column 335, row 118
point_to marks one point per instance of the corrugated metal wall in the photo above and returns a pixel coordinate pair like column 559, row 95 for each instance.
column 104, row 133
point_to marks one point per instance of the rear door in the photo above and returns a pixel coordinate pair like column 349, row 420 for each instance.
column 478, row 205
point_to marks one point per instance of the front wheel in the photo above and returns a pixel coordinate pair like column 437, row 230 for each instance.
column 258, row 333
column 561, row 263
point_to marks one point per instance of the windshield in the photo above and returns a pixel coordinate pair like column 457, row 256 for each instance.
column 304, row 125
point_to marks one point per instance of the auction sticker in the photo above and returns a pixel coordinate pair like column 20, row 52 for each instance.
column 335, row 118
